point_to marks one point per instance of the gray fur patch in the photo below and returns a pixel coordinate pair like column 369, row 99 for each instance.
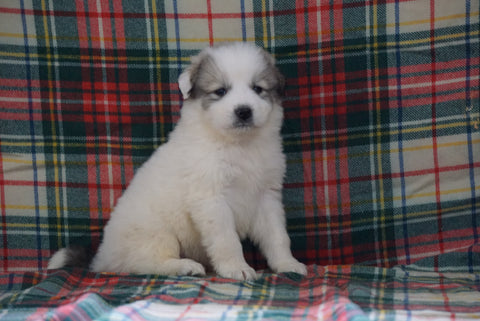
column 272, row 77
column 207, row 78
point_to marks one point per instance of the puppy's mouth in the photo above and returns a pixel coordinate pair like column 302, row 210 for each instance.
column 243, row 124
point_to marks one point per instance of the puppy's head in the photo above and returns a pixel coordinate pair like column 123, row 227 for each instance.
column 236, row 85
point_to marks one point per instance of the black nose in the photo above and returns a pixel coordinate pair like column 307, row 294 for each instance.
column 243, row 113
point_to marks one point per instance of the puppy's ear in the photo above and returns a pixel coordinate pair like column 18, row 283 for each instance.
column 187, row 78
column 280, row 83
column 275, row 72
column 185, row 83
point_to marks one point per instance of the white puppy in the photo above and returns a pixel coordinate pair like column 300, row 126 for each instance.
column 217, row 181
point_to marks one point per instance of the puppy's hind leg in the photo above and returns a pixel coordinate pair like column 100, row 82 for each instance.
column 166, row 251
column 142, row 250
column 162, row 256
column 180, row 267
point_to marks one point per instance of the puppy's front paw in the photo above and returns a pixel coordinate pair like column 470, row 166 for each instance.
column 291, row 266
column 242, row 272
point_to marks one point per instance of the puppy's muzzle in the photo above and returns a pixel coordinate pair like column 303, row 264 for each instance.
column 244, row 115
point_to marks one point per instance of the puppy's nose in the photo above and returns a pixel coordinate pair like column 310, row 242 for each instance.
column 244, row 113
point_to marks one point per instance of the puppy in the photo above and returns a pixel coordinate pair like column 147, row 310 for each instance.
column 216, row 181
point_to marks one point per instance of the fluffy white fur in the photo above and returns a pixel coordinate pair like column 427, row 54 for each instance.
column 212, row 184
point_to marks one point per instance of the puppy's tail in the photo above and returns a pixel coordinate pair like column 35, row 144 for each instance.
column 73, row 256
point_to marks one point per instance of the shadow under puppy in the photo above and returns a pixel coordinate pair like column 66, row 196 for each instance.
column 216, row 181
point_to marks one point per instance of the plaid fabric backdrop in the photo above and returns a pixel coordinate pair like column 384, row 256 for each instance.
column 381, row 132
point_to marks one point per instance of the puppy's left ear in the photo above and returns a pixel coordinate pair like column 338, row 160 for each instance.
column 280, row 83
column 278, row 76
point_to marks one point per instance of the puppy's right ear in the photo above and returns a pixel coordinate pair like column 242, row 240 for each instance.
column 185, row 83
column 187, row 78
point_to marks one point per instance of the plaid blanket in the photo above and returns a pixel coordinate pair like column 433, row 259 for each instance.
column 381, row 133
column 328, row 293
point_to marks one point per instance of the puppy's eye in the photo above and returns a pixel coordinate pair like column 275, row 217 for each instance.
column 220, row 92
column 257, row 89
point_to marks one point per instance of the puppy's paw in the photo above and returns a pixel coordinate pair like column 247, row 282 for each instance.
column 190, row 267
column 242, row 272
column 291, row 266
